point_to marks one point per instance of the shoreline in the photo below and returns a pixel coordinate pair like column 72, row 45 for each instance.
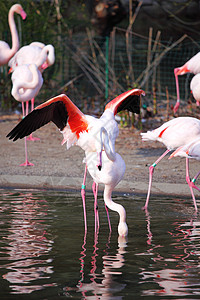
column 60, row 169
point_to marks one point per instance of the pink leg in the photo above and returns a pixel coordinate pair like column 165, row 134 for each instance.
column 95, row 192
column 190, row 183
column 27, row 163
column 83, row 197
column 149, row 235
column 108, row 218
column 96, row 213
column 151, row 170
column 177, row 91
column 31, row 138
column 194, row 180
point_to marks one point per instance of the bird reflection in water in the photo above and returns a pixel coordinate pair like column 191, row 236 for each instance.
column 27, row 242
column 102, row 285
column 161, row 275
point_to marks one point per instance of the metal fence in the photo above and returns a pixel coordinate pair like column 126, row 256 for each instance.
column 91, row 70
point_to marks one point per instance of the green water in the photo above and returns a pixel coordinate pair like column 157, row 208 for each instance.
column 44, row 253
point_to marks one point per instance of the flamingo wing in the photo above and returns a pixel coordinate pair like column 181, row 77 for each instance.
column 129, row 100
column 58, row 110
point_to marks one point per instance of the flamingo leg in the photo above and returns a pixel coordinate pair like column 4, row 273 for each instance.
column 31, row 138
column 83, row 197
column 149, row 235
column 194, row 180
column 95, row 191
column 26, row 163
column 109, row 224
column 177, row 91
column 190, row 183
column 96, row 212
column 151, row 170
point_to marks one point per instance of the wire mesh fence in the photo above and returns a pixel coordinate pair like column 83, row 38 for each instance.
column 92, row 70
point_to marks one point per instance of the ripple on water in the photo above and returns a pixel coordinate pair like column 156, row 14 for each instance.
column 44, row 252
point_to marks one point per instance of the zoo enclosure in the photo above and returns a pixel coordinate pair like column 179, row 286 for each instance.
column 92, row 70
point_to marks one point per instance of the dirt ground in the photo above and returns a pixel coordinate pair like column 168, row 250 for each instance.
column 55, row 167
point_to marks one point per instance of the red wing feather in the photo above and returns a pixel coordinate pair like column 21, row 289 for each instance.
column 58, row 110
column 76, row 119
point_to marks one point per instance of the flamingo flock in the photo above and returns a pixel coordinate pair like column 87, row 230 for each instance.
column 26, row 65
column 96, row 136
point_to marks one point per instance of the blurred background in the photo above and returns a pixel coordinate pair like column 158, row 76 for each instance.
column 104, row 47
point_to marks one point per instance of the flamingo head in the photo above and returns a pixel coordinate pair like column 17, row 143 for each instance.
column 10, row 70
column 181, row 71
column 22, row 13
column 123, row 229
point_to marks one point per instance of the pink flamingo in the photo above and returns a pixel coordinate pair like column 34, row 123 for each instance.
column 31, row 53
column 27, row 81
column 93, row 136
column 5, row 52
column 173, row 134
column 191, row 66
column 190, row 150
column 37, row 52
column 195, row 88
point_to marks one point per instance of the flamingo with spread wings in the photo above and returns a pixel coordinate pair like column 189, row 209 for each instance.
column 93, row 136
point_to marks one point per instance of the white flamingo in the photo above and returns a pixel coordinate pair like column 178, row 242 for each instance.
column 30, row 54
column 93, row 136
column 191, row 66
column 173, row 134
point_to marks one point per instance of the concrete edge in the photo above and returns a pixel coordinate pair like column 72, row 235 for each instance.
column 74, row 183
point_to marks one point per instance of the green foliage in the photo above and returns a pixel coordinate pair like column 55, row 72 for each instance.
column 45, row 19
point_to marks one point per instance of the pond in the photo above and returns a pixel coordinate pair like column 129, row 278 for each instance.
column 44, row 253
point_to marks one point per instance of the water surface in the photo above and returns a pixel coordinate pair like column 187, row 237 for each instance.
column 44, row 253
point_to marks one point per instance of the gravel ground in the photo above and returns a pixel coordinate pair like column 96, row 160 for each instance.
column 58, row 168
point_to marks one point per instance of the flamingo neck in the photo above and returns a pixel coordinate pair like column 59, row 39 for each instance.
column 27, row 88
column 104, row 139
column 122, row 227
column 46, row 57
column 177, row 87
column 13, row 30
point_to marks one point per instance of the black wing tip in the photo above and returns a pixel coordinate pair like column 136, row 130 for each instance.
column 131, row 103
column 55, row 112
column 13, row 137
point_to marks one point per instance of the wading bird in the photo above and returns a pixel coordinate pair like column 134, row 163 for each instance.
column 36, row 53
column 29, row 54
column 27, row 82
column 191, row 66
column 173, row 134
column 195, row 88
column 5, row 51
column 190, row 150
column 92, row 135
